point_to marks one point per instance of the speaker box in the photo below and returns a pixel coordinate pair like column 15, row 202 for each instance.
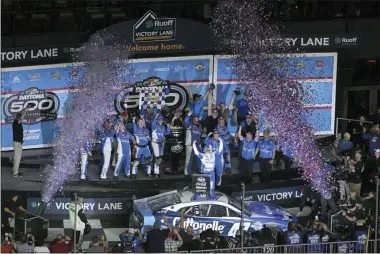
column 31, row 224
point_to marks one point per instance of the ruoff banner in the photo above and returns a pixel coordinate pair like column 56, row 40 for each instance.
column 279, row 196
column 91, row 206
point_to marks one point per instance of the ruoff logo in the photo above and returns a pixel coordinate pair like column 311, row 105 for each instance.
column 152, row 28
column 43, row 106
column 346, row 41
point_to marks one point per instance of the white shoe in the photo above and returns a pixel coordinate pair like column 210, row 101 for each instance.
column 219, row 183
column 103, row 177
column 83, row 177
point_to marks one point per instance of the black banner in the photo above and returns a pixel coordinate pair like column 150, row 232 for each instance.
column 201, row 185
column 278, row 196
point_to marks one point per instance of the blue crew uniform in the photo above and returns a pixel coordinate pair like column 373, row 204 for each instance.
column 123, row 152
column 226, row 136
column 360, row 236
column 106, row 138
column 197, row 108
column 193, row 133
column 85, row 151
column 313, row 239
column 143, row 154
column 219, row 161
column 344, row 145
column 247, row 159
column 294, row 241
column 266, row 148
column 374, row 142
column 158, row 142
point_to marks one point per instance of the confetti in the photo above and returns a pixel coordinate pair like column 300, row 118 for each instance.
column 89, row 101
column 241, row 29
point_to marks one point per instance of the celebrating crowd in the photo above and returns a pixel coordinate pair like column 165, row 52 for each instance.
column 185, row 138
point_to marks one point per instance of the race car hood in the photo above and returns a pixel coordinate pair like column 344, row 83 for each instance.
column 267, row 210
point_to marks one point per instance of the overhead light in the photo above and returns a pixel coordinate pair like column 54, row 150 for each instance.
column 371, row 61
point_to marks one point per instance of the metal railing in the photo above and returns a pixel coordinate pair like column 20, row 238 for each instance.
column 364, row 246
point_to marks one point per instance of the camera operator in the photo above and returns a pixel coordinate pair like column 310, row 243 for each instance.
column 309, row 205
column 98, row 245
column 9, row 211
column 131, row 240
column 356, row 213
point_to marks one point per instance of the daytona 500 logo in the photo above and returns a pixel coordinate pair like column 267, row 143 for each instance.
column 129, row 99
column 43, row 106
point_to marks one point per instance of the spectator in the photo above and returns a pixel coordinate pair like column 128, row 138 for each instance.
column 249, row 125
column 357, row 131
column 267, row 240
column 308, row 206
column 155, row 239
column 187, row 235
column 173, row 241
column 98, row 245
column 345, row 144
column 267, row 150
column 40, row 247
column 293, row 238
column 26, row 245
column 61, row 244
column 210, row 122
column 374, row 139
column 355, row 174
column 8, row 245
column 360, row 234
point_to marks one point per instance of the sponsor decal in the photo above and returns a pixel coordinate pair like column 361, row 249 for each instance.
column 32, row 134
column 60, row 206
column 55, row 76
column 74, row 73
column 151, row 28
column 43, row 106
column 319, row 64
column 346, row 41
column 16, row 80
column 214, row 225
column 300, row 65
column 181, row 68
column 161, row 69
column 34, row 77
column 199, row 67
column 29, row 54
column 128, row 99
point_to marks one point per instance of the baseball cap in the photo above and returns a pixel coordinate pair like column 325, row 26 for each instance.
column 266, row 131
column 160, row 118
column 215, row 110
column 377, row 150
column 124, row 114
column 221, row 118
column 216, row 131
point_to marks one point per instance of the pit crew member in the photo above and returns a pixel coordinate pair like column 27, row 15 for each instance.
column 193, row 133
column 123, row 151
column 158, row 141
column 106, row 138
column 215, row 142
column 143, row 154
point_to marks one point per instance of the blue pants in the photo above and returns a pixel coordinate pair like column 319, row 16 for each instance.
column 190, row 156
column 226, row 154
column 143, row 156
column 212, row 181
column 123, row 161
column 219, row 163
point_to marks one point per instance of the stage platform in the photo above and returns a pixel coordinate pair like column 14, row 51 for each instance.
column 34, row 177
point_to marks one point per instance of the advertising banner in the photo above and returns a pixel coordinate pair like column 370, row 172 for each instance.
column 279, row 196
column 46, row 88
column 315, row 72
column 201, row 185
column 91, row 206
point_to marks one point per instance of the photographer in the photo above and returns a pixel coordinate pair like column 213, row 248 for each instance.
column 98, row 245
column 26, row 244
column 309, row 205
column 78, row 220
column 131, row 240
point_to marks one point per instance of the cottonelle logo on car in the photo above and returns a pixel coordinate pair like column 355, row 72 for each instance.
column 151, row 28
column 128, row 99
column 43, row 106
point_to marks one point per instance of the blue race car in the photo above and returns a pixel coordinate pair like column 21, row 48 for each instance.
column 219, row 213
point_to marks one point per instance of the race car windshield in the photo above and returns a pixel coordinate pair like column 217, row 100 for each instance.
column 161, row 202
column 237, row 205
